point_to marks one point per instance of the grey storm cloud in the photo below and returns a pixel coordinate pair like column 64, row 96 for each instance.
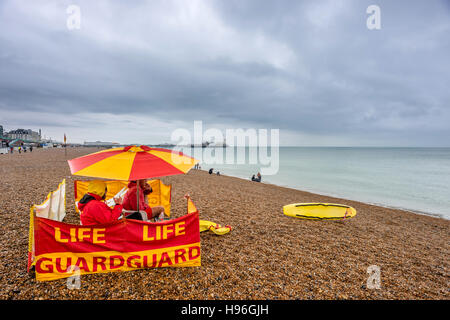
column 311, row 68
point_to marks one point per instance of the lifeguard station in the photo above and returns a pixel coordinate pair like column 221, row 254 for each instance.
column 58, row 249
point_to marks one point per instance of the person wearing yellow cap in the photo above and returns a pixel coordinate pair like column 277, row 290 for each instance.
column 93, row 208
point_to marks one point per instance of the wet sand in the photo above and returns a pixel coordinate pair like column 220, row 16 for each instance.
column 267, row 255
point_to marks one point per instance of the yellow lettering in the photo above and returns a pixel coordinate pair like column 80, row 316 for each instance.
column 73, row 235
column 179, row 228
column 98, row 233
column 167, row 228
column 145, row 235
column 58, row 235
column 158, row 232
column 82, row 235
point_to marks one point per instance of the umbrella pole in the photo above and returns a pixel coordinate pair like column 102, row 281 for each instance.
column 137, row 194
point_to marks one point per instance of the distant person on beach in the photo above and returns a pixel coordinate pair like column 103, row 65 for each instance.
column 93, row 208
column 218, row 173
column 12, row 149
column 130, row 201
column 31, row 148
column 257, row 179
column 211, row 171
column 20, row 149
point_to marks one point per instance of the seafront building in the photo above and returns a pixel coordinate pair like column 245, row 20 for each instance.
column 24, row 134
column 17, row 137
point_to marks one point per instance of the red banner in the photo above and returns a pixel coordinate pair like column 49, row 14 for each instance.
column 118, row 246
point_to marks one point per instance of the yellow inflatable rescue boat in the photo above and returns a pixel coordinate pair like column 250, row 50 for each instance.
column 214, row 227
column 319, row 211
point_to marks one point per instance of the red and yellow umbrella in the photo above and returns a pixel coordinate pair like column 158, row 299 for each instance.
column 132, row 163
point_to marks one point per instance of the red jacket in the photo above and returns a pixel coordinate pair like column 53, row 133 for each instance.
column 130, row 200
column 98, row 212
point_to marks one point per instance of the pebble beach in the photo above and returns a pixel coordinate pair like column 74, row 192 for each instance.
column 267, row 255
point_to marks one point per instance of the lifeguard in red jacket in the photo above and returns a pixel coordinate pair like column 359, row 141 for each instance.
column 93, row 208
column 130, row 200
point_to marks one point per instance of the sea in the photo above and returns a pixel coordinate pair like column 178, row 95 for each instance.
column 412, row 179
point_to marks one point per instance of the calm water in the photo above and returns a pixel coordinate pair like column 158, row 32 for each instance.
column 416, row 179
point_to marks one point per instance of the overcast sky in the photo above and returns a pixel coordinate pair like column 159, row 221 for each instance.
column 135, row 70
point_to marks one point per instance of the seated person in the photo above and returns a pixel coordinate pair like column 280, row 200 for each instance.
column 257, row 179
column 130, row 201
column 93, row 208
